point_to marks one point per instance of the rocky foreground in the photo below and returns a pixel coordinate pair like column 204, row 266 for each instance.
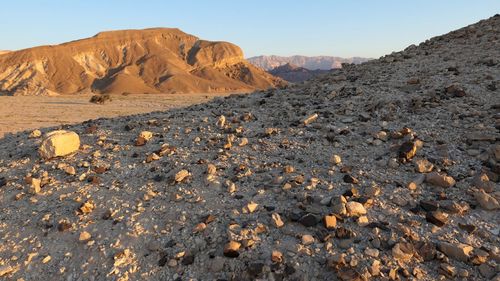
column 383, row 171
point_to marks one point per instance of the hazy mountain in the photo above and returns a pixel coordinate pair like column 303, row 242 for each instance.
column 295, row 74
column 312, row 63
column 158, row 60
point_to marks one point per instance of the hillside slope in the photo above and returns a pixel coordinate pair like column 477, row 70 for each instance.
column 158, row 60
column 379, row 171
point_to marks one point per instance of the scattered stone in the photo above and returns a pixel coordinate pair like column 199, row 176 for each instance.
column 437, row 218
column 308, row 120
column 87, row 207
column 440, row 180
column 335, row 159
column 458, row 251
column 330, row 221
column 221, row 121
column 276, row 256
column 35, row 134
column 231, row 249
column 350, row 179
column 251, row 207
column 455, row 91
column 423, row 166
column 276, row 218
column 35, row 187
column 84, row 236
column 372, row 252
column 143, row 138
column 486, row 201
column 59, row 143
column 5, row 269
column 403, row 251
column 308, row 220
column 181, row 176
column 307, row 239
column 487, row 271
column 355, row 209
column 407, row 151
column 482, row 181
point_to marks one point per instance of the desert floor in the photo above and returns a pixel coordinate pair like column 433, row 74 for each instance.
column 19, row 113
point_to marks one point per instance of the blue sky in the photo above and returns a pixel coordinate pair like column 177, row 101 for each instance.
column 368, row 28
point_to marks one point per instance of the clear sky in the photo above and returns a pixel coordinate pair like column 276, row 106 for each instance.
column 368, row 28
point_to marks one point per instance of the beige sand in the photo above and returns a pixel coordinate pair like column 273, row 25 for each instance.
column 18, row 113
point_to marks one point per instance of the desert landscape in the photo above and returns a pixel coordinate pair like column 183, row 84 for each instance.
column 151, row 154
column 20, row 113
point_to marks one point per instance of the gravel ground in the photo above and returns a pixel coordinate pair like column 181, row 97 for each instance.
column 384, row 170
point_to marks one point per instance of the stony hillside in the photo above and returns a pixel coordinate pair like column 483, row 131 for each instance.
column 158, row 60
column 387, row 170
column 295, row 74
column 311, row 63
column 3, row 52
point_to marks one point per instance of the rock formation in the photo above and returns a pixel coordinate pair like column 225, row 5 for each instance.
column 158, row 60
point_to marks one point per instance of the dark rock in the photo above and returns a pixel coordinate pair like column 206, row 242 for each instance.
column 350, row 179
column 188, row 259
column 429, row 205
column 63, row 226
column 426, row 250
column 344, row 233
column 3, row 181
column 407, row 151
column 163, row 260
column 455, row 91
column 309, row 220
column 467, row 227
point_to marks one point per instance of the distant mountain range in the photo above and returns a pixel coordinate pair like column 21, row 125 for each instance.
column 312, row 63
column 295, row 74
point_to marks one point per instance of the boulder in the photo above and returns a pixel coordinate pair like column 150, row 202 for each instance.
column 59, row 143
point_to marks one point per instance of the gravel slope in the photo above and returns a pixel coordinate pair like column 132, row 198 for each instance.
column 378, row 171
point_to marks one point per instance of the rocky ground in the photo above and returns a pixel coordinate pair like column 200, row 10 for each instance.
column 385, row 171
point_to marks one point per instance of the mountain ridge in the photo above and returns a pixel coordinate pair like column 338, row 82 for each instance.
column 310, row 62
column 155, row 60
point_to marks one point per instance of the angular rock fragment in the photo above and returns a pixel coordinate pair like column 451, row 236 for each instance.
column 355, row 209
column 276, row 218
column 423, row 166
column 181, row 175
column 350, row 179
column 330, row 221
column 458, row 251
column 231, row 249
column 486, row 201
column 407, row 151
column 437, row 218
column 403, row 251
column 440, row 180
column 309, row 220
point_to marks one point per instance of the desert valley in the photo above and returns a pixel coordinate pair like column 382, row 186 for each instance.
column 152, row 154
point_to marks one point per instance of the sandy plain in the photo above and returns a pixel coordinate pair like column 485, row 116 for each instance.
column 19, row 113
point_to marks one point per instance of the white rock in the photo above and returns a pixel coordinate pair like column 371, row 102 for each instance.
column 59, row 143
